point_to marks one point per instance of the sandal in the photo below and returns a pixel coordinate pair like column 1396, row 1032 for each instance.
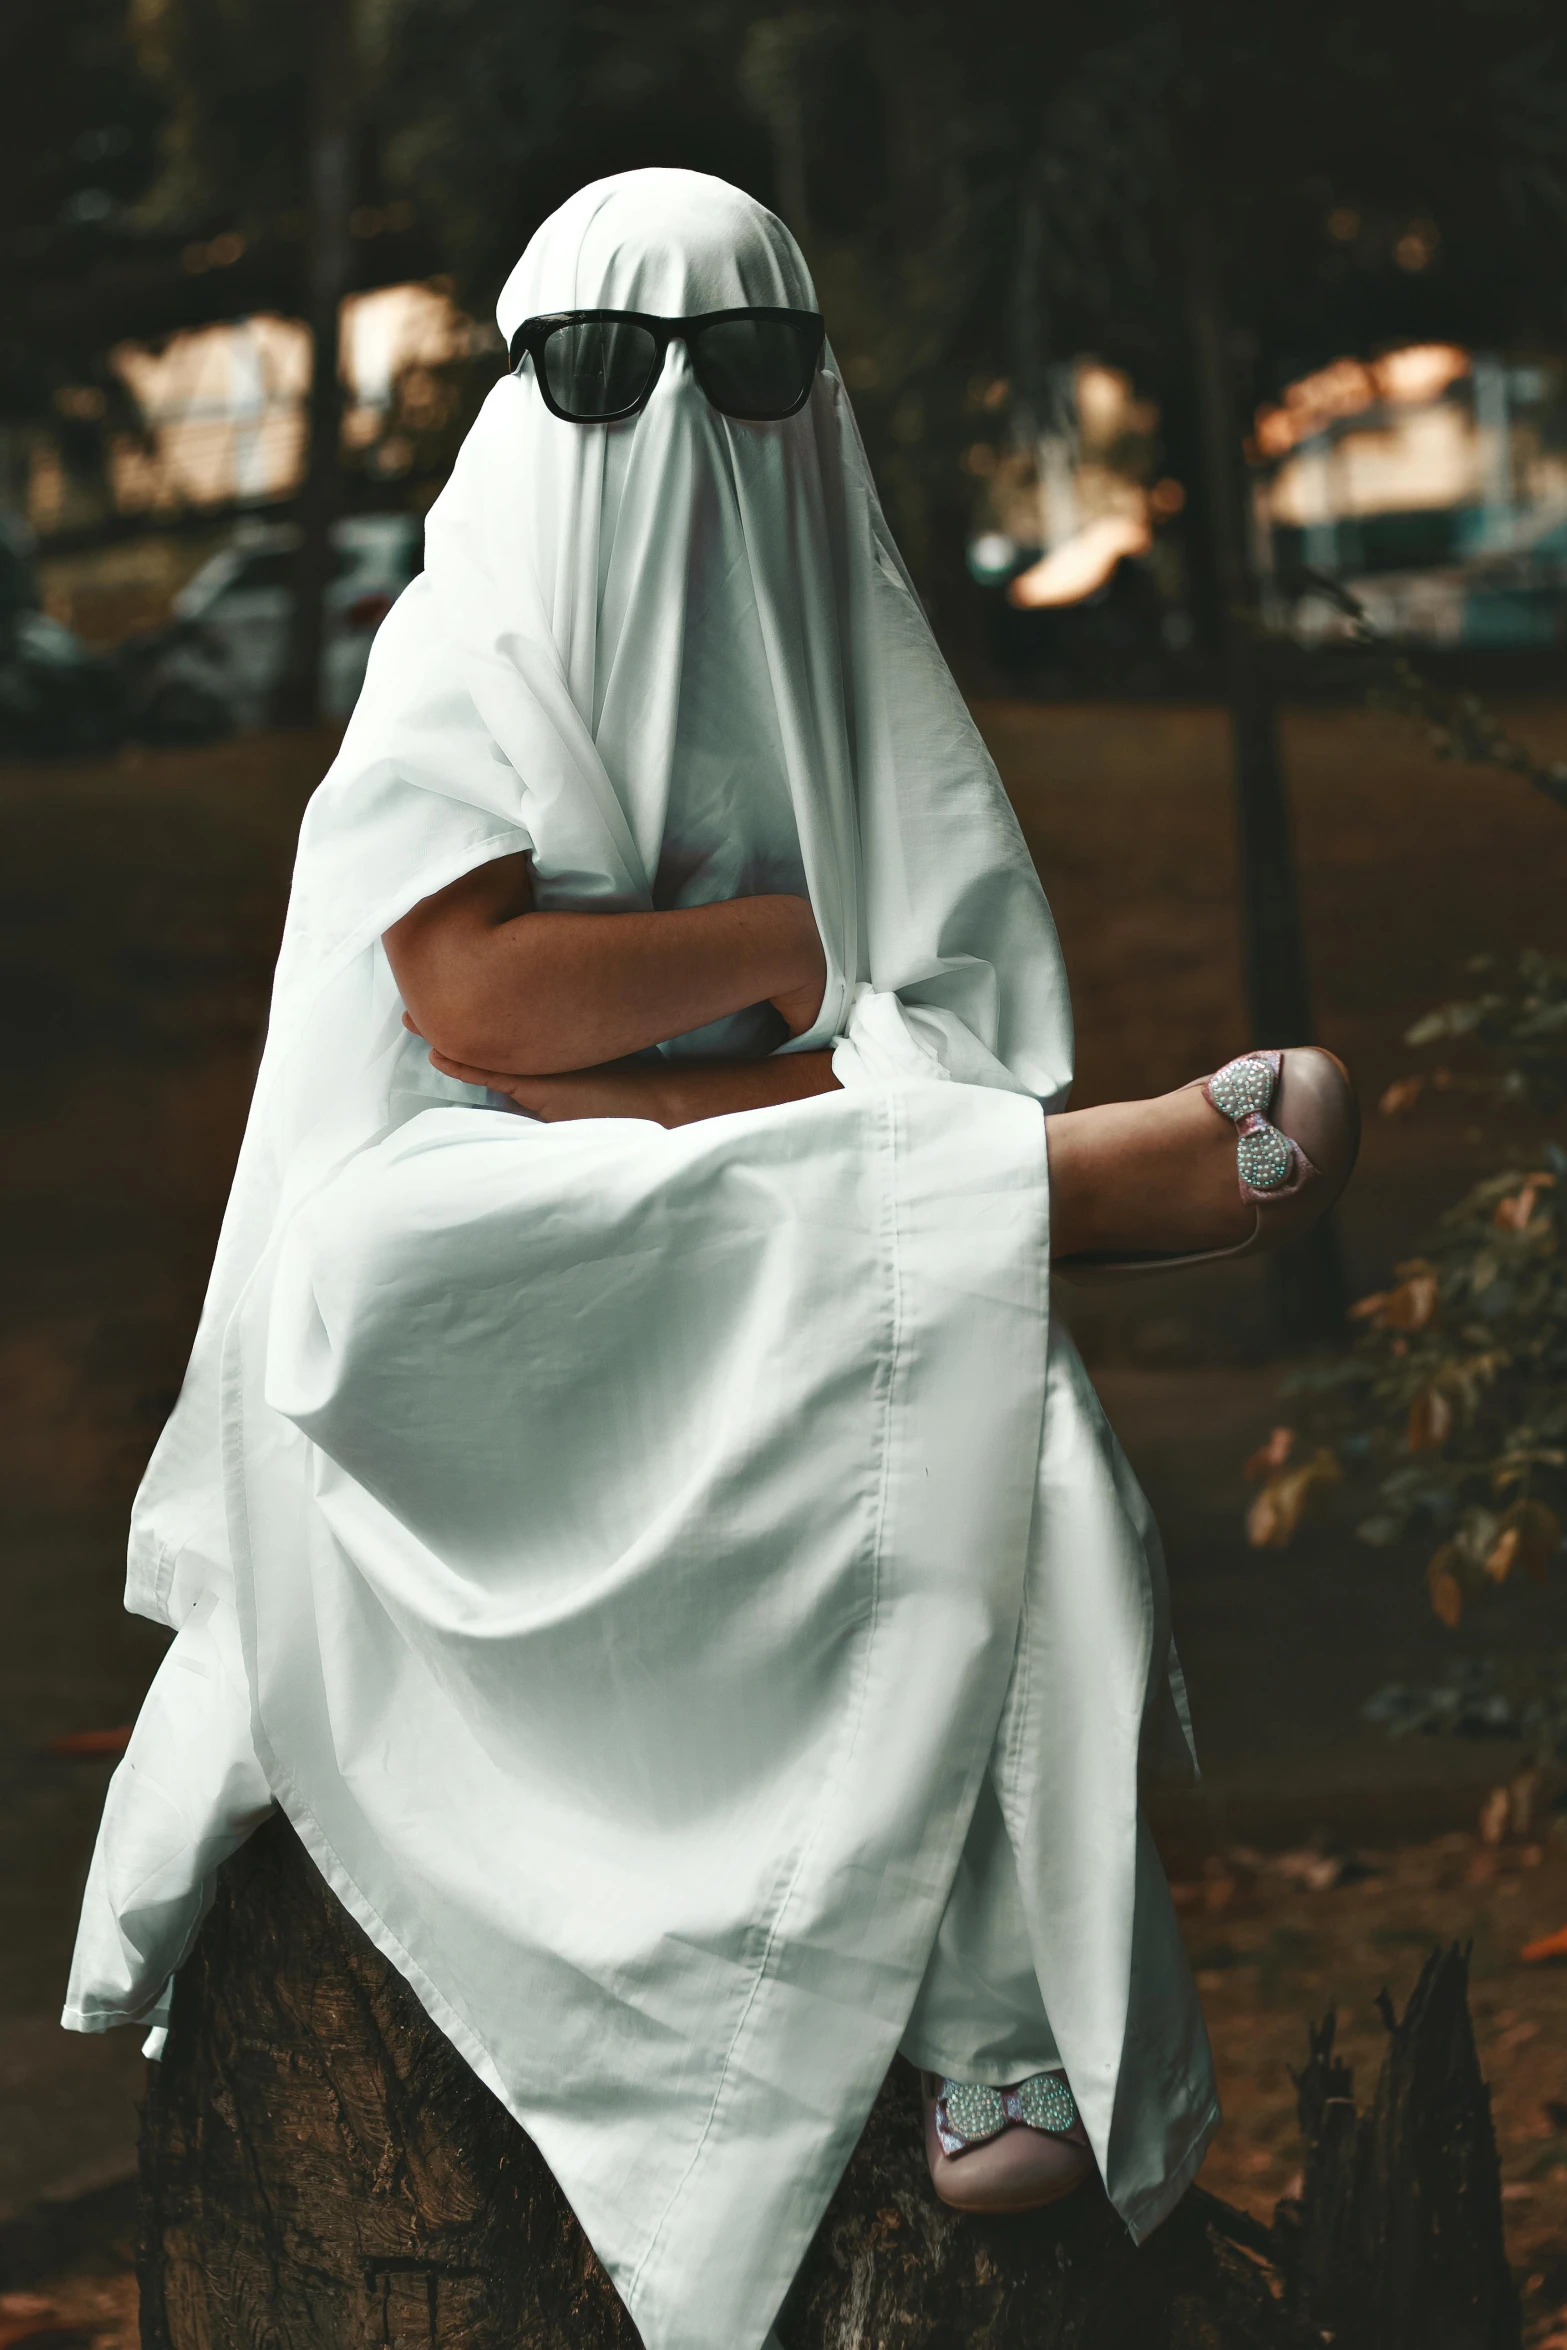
column 1297, row 1132
column 1004, row 2149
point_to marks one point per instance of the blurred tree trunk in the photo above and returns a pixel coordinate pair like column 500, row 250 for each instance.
column 320, row 2170
column 1309, row 1277
column 331, row 135
column 1043, row 378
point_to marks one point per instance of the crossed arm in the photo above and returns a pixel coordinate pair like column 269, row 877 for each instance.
column 545, row 1006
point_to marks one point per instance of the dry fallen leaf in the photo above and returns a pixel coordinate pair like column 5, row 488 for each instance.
column 1272, row 1455
column 1499, row 1559
column 1447, row 1593
column 1539, row 1536
column 1317, row 1872
column 1430, row 1420
column 1494, row 1815
column 1410, row 1306
column 26, row 2318
column 1401, row 1095
column 1516, row 1213
column 1276, row 1512
column 1274, row 1515
column 1520, row 1801
column 1545, row 1946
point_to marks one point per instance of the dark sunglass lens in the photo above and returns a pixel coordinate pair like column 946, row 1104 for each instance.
column 598, row 367
column 755, row 367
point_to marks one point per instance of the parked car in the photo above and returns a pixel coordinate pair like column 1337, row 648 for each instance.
column 56, row 696
column 219, row 663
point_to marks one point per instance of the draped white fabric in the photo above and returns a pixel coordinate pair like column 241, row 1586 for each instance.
column 679, row 1586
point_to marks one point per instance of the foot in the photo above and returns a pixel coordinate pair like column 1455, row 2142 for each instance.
column 1008, row 2165
column 1135, row 1177
column 1246, row 1159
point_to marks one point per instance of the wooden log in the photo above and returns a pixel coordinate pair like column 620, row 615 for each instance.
column 321, row 2171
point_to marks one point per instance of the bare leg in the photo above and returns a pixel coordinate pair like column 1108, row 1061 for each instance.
column 1131, row 1176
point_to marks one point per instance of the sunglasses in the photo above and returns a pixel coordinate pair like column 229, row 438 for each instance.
column 598, row 366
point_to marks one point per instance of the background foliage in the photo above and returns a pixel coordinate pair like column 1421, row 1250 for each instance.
column 1452, row 1407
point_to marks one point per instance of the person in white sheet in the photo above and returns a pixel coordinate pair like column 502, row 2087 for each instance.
column 658, row 1549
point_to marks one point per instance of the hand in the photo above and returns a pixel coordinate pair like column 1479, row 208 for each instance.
column 673, row 1093
column 800, row 1006
column 620, row 1089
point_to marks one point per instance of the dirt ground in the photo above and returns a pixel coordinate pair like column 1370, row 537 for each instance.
column 138, row 914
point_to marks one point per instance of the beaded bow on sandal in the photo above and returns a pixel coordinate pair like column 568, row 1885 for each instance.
column 1297, row 1130
column 969, row 2113
column 1009, row 2149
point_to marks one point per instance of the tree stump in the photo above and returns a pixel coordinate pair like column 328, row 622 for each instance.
column 321, row 2171
column 1396, row 2243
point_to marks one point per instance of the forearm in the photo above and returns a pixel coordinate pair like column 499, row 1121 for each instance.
column 537, row 993
column 587, row 988
column 684, row 1091
column 670, row 1093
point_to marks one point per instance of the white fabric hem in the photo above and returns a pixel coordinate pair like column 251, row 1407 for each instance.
column 1144, row 2213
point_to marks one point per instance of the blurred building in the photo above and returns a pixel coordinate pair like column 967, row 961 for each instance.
column 1067, row 517
column 1043, row 482
column 222, row 408
column 216, row 434
column 1431, row 483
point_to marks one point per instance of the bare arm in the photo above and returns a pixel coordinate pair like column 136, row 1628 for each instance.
column 496, row 986
column 671, row 1093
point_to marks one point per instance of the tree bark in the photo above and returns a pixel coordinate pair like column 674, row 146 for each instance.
column 321, row 2171
column 1397, row 2241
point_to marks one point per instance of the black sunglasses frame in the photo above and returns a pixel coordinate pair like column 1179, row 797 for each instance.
column 531, row 337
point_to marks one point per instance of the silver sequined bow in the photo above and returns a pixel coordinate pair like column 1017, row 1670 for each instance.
column 1243, row 1089
column 969, row 2112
